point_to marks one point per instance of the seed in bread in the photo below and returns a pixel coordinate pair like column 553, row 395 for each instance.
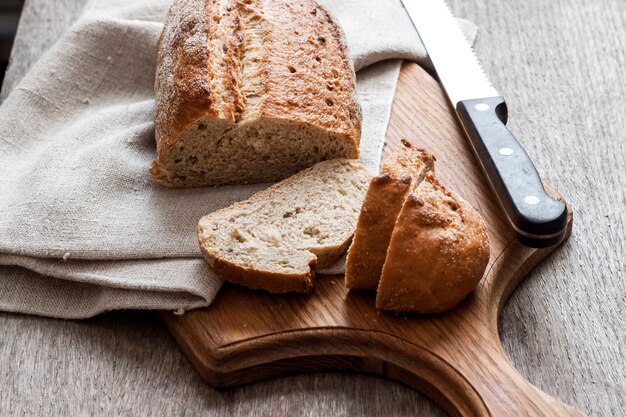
column 274, row 239
column 438, row 252
column 400, row 175
column 251, row 91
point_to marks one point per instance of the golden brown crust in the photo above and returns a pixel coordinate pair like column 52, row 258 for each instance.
column 306, row 74
column 438, row 252
column 182, row 83
column 367, row 254
column 302, row 36
column 382, row 204
column 409, row 161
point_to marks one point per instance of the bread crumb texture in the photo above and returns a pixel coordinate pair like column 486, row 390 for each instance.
column 251, row 91
column 272, row 240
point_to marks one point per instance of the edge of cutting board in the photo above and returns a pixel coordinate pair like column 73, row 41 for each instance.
column 455, row 358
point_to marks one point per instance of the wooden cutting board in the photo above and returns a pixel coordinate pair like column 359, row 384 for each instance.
column 455, row 358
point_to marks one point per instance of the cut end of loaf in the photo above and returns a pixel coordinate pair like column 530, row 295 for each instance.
column 215, row 152
column 274, row 239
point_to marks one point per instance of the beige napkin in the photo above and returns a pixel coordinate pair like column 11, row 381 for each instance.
column 82, row 228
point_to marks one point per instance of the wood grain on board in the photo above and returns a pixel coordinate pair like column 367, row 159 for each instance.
column 455, row 358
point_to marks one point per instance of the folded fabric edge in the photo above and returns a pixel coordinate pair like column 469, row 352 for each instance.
column 198, row 277
column 23, row 291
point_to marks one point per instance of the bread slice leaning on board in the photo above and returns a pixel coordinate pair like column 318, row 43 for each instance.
column 275, row 239
column 438, row 252
column 383, row 201
column 251, row 91
column 421, row 246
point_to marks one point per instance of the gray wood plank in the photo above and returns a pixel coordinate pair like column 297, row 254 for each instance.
column 42, row 22
column 561, row 66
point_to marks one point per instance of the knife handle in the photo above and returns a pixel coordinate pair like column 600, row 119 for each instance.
column 538, row 219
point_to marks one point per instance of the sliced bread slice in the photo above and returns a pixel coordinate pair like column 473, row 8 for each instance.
column 273, row 240
column 382, row 204
column 438, row 252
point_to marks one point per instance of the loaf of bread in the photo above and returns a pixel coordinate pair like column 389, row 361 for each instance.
column 251, row 91
column 399, row 176
column 438, row 252
column 274, row 239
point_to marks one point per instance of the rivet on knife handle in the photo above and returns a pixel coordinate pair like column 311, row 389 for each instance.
column 538, row 219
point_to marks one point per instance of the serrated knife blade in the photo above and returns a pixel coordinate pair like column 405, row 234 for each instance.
column 537, row 219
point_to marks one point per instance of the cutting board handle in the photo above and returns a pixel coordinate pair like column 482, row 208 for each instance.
column 508, row 394
column 472, row 348
column 483, row 383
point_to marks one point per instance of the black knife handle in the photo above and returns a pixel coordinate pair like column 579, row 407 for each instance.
column 538, row 219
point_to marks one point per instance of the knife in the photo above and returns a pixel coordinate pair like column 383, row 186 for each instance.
column 537, row 219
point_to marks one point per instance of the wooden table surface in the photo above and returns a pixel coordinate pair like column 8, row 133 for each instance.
column 562, row 67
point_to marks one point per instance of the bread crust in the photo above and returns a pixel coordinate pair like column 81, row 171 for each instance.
column 438, row 252
column 385, row 196
column 306, row 76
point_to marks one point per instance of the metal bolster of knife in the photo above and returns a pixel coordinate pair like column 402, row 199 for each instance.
column 538, row 219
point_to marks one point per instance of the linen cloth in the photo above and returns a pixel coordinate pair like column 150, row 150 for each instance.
column 83, row 229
